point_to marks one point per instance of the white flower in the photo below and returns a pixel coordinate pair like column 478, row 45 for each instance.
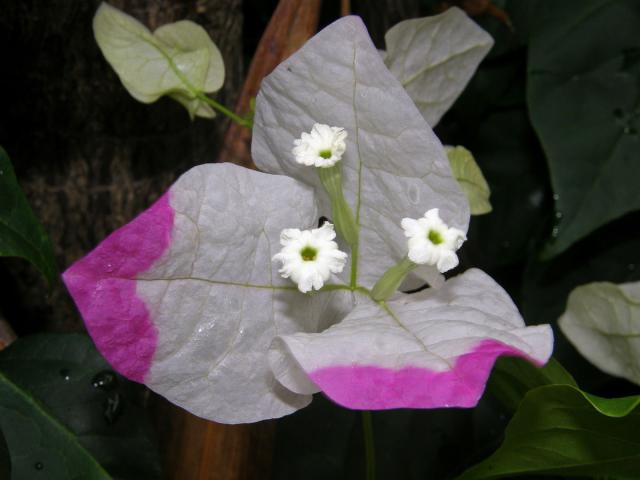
column 309, row 257
column 322, row 147
column 432, row 242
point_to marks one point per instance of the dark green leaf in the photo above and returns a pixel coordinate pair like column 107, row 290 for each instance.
column 560, row 430
column 490, row 119
column 37, row 441
column 608, row 255
column 513, row 377
column 21, row 234
column 82, row 416
column 584, row 103
column 5, row 458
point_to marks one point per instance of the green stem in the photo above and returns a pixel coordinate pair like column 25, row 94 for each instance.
column 245, row 122
column 369, row 444
column 353, row 280
column 342, row 216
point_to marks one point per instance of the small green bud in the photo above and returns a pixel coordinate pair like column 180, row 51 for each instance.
column 390, row 281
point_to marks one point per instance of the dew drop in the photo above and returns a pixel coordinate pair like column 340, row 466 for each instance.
column 38, row 465
column 112, row 408
column 65, row 374
column 559, row 215
column 109, row 267
column 556, row 197
column 535, row 199
column 1, row 172
column 105, row 380
column 554, row 232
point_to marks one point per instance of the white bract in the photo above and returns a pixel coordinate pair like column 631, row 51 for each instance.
column 602, row 321
column 186, row 297
column 433, row 242
column 309, row 257
column 322, row 147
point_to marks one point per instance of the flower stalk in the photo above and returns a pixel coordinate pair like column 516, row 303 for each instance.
column 341, row 214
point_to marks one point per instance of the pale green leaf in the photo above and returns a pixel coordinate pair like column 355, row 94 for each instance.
column 602, row 321
column 178, row 59
column 469, row 176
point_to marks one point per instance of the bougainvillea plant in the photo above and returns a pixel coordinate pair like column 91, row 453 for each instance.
column 228, row 298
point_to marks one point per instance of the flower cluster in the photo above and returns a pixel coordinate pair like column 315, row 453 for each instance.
column 310, row 256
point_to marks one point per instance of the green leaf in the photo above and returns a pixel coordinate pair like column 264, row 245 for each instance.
column 178, row 59
column 513, row 377
column 65, row 414
column 584, row 103
column 5, row 458
column 607, row 255
column 560, row 430
column 37, row 440
column 468, row 174
column 602, row 321
column 21, row 235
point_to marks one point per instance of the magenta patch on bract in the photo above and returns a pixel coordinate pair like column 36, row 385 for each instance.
column 377, row 388
column 104, row 288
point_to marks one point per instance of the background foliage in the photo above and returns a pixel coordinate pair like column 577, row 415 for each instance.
column 550, row 118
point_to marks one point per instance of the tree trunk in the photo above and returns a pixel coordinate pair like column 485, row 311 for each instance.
column 88, row 155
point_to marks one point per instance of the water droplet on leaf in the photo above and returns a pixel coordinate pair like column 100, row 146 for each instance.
column 105, row 380
column 38, row 466
column 559, row 215
column 65, row 373
column 556, row 197
column 554, row 232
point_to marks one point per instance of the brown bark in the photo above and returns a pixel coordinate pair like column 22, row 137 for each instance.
column 88, row 155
